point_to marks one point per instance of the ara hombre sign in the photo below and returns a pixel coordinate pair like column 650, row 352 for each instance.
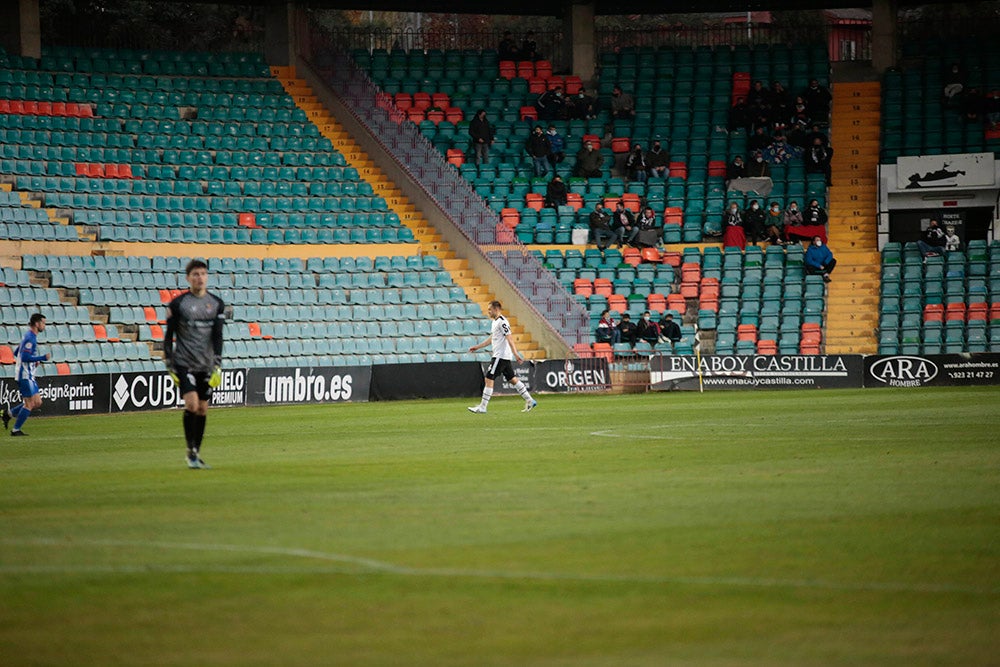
column 932, row 370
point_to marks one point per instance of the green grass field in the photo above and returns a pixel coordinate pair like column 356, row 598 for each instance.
column 752, row 528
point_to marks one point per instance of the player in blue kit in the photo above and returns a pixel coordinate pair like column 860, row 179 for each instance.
column 504, row 351
column 24, row 373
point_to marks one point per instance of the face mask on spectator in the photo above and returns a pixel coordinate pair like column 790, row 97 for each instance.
column 753, row 206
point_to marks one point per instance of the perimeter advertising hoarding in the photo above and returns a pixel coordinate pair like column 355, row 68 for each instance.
column 733, row 371
column 273, row 386
column 558, row 375
column 933, row 370
column 155, row 390
column 64, row 394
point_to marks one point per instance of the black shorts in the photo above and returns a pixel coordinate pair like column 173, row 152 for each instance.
column 500, row 367
column 196, row 381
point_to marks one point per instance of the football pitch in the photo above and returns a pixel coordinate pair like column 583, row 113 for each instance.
column 751, row 528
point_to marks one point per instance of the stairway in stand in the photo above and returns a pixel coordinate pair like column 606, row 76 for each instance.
column 853, row 296
column 429, row 239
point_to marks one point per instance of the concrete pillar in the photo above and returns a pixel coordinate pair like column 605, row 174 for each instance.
column 885, row 37
column 578, row 22
column 21, row 28
column 280, row 34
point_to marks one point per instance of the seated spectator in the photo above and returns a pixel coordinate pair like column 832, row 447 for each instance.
column 733, row 234
column 933, row 242
column 781, row 151
column 600, row 227
column 622, row 104
column 774, row 224
column 753, row 222
column 993, row 110
column 780, row 101
column 481, row 132
column 551, row 105
column 758, row 167
column 623, row 223
column 817, row 160
column 648, row 330
column 607, row 329
column 954, row 82
column 819, row 260
column 670, row 331
column 793, row 216
column 557, row 144
column 799, row 125
column 757, row 98
column 817, row 133
column 635, row 164
column 588, row 162
column 657, row 161
column 539, row 148
column 951, row 240
column 648, row 232
column 627, row 330
column 582, row 106
column 814, row 214
column 739, row 115
column 555, row 192
column 759, row 140
column 973, row 106
column 817, row 100
column 736, row 169
column 507, row 49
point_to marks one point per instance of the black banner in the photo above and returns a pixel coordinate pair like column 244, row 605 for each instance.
column 272, row 386
column 735, row 371
column 558, row 375
column 452, row 379
column 933, row 370
column 64, row 394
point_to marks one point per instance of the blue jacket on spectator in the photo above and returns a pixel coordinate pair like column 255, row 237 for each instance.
column 818, row 256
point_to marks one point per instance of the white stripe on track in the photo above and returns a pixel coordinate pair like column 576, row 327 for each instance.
column 372, row 565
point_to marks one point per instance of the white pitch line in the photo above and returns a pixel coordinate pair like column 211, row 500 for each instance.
column 403, row 570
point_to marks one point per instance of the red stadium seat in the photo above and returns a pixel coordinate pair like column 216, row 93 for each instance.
column 543, row 68
column 403, row 101
column 456, row 156
column 620, row 144
column 440, row 100
column 529, row 113
column 100, row 333
column 6, row 355
column 62, row 368
column 574, row 85
column 583, row 287
column 422, row 100
column 537, row 85
column 583, row 350
column 508, row 69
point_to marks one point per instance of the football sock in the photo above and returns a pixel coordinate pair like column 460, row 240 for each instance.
column 199, row 430
column 16, row 410
column 487, row 395
column 189, row 429
column 22, row 416
column 522, row 389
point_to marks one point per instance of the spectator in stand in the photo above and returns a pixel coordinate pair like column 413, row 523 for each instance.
column 623, row 223
column 582, row 106
column 753, row 222
column 934, row 242
column 622, row 104
column 774, row 224
column 657, row 161
column 793, row 216
column 555, row 192
column 799, row 124
column 600, row 227
column 780, row 151
column 733, row 234
column 739, row 115
column 817, row 133
column 780, row 102
column 539, row 148
column 817, row 99
column 482, row 133
column 551, row 105
column 814, row 214
column 627, row 330
column 951, row 241
column 973, row 106
column 648, row 330
column 757, row 98
column 818, row 160
column 507, row 49
column 993, row 110
column 954, row 82
column 607, row 329
column 588, row 162
column 759, row 167
column 736, row 169
column 529, row 48
column 819, row 260
column 648, row 232
column 558, row 146
column 759, row 141
column 635, row 164
column 670, row 331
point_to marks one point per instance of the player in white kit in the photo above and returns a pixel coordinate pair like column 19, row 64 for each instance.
column 504, row 351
